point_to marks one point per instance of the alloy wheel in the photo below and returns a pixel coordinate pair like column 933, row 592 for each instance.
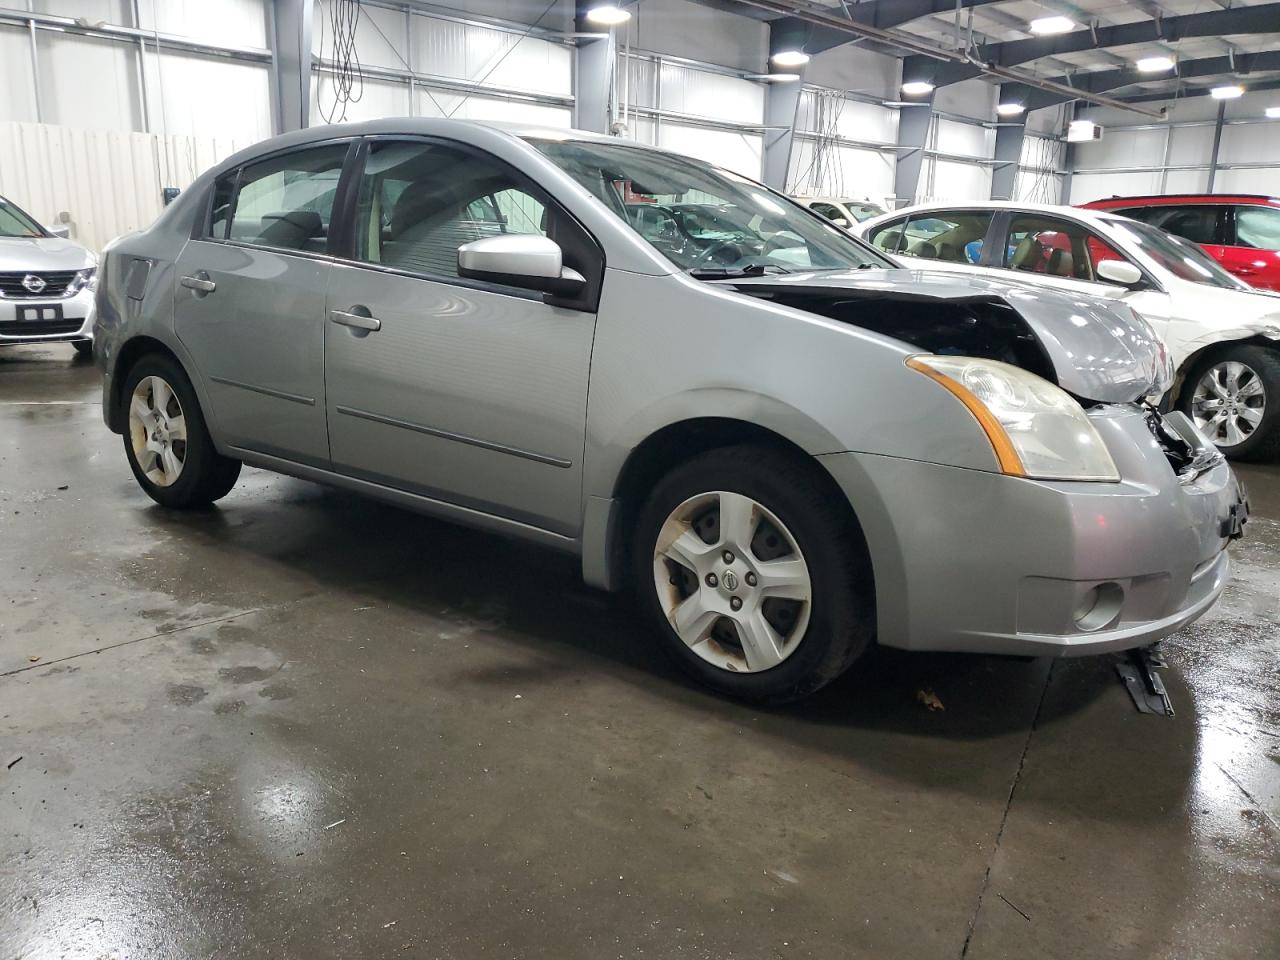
column 157, row 431
column 1228, row 402
column 732, row 581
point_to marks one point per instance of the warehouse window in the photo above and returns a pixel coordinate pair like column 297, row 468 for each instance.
column 286, row 202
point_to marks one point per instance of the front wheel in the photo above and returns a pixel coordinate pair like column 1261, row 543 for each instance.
column 1233, row 395
column 167, row 443
column 756, row 581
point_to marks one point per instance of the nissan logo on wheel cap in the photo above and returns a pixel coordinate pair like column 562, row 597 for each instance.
column 33, row 283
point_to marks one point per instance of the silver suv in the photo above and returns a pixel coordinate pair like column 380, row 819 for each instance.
column 786, row 447
column 46, row 283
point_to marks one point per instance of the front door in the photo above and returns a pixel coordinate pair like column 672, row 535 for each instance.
column 249, row 303
column 468, row 392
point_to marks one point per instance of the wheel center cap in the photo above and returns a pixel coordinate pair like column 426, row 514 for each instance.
column 730, row 580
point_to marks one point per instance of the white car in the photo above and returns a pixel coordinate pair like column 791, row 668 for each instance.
column 841, row 211
column 1223, row 336
column 46, row 283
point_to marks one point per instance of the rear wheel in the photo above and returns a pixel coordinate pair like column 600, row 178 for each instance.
column 1233, row 395
column 166, row 441
column 757, row 584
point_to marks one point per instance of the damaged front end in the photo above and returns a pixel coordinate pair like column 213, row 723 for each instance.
column 1099, row 351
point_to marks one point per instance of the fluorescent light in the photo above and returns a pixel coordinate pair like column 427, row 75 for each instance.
column 777, row 77
column 917, row 88
column 1046, row 26
column 1009, row 109
column 608, row 15
column 1155, row 64
column 1273, row 113
column 1226, row 93
column 790, row 58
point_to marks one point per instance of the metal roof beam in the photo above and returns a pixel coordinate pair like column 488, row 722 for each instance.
column 1263, row 18
column 790, row 33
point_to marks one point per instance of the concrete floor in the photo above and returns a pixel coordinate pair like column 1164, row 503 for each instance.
column 305, row 725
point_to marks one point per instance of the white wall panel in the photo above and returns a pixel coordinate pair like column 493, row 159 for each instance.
column 741, row 153
column 702, row 94
column 1250, row 143
column 434, row 103
column 1248, row 181
column 381, row 36
column 1096, row 186
column 108, row 182
column 241, row 23
column 855, row 119
column 852, row 68
column 497, row 57
column 88, row 82
column 965, row 139
column 1193, row 181
column 973, row 98
column 195, row 95
column 1189, row 145
column 847, row 172
column 118, row 12
column 378, row 98
column 18, row 99
column 948, row 181
column 695, row 31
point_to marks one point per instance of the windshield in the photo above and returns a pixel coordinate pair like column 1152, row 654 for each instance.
column 15, row 223
column 1184, row 259
column 707, row 221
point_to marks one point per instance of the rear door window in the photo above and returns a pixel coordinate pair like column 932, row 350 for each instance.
column 828, row 210
column 1197, row 222
column 888, row 236
column 955, row 236
column 286, row 202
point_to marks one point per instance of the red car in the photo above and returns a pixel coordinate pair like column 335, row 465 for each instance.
column 1241, row 232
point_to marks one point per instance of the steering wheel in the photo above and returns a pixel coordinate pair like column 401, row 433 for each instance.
column 706, row 255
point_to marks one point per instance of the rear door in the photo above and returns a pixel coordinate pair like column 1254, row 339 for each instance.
column 250, row 302
column 469, row 392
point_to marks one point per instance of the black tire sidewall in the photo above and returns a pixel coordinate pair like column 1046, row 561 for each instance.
column 201, row 461
column 841, row 621
column 1264, row 442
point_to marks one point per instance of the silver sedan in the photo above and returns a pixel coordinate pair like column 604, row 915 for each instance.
column 783, row 445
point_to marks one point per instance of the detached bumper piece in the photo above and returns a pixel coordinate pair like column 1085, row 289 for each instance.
column 1138, row 671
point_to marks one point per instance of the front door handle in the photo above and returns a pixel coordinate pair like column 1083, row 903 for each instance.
column 200, row 283
column 355, row 320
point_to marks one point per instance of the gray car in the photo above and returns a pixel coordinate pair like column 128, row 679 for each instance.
column 786, row 447
column 46, row 283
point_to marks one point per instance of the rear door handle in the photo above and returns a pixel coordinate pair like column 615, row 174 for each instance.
column 355, row 320
column 200, row 283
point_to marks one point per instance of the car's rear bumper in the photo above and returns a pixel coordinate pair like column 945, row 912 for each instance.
column 75, row 323
column 967, row 560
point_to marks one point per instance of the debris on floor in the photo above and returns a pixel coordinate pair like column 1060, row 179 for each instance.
column 929, row 699
column 1138, row 669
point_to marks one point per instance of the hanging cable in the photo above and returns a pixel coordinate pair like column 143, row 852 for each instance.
column 348, row 77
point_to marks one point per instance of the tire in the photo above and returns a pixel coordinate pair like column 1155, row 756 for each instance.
column 83, row 348
column 1247, row 376
column 203, row 475
column 791, row 514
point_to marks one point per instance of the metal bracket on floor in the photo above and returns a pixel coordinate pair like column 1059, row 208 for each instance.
column 1138, row 671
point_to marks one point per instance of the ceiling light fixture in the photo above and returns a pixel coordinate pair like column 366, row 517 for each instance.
column 1047, row 26
column 1009, row 109
column 1273, row 113
column 777, row 77
column 608, row 15
column 917, row 88
column 1229, row 92
column 790, row 58
column 1155, row 64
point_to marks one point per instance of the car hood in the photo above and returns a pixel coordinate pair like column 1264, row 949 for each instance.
column 1099, row 349
column 42, row 253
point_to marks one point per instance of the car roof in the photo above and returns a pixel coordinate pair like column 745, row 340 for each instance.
column 1097, row 217
column 1165, row 199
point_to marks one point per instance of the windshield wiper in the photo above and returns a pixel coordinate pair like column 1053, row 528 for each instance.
column 726, row 273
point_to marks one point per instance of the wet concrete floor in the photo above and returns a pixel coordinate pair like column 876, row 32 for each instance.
column 306, row 725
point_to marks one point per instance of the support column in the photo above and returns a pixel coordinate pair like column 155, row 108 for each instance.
column 781, row 103
column 291, row 63
column 593, row 62
column 913, row 132
column 1217, row 145
column 1009, row 137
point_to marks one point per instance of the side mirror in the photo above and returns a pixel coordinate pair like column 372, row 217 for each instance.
column 841, row 222
column 523, row 260
column 1121, row 272
column 60, row 230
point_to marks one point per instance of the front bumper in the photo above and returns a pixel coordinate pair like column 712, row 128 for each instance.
column 967, row 560
column 76, row 322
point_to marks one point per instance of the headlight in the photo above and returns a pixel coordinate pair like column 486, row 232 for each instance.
column 82, row 279
column 1035, row 428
